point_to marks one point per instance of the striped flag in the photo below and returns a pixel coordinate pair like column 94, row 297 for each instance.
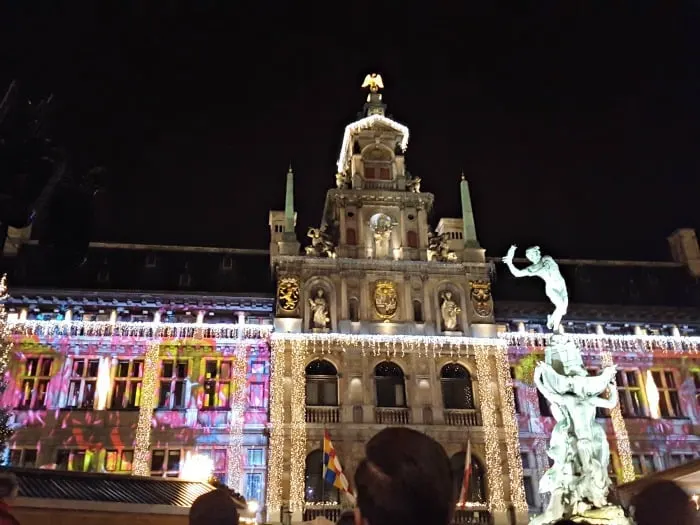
column 332, row 471
column 464, row 493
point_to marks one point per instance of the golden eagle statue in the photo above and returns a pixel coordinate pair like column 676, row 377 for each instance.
column 374, row 82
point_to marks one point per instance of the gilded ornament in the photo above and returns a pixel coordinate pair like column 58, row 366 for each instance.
column 386, row 299
column 288, row 294
column 481, row 298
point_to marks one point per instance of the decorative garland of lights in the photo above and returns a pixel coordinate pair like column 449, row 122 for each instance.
column 623, row 441
column 365, row 123
column 298, row 426
column 142, row 444
column 494, row 474
column 234, row 450
column 515, row 463
column 136, row 329
column 390, row 345
column 5, row 328
column 275, row 457
column 612, row 343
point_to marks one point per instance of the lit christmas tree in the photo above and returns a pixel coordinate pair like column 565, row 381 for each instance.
column 5, row 347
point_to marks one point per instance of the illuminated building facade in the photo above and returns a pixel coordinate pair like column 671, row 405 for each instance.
column 380, row 322
column 383, row 322
column 106, row 379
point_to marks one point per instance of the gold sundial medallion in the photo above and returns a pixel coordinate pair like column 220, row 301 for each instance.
column 386, row 299
column 288, row 294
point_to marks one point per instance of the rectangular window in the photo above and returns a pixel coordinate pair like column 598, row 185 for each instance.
column 350, row 237
column 253, row 486
column 255, row 458
column 35, row 382
column 643, row 464
column 83, row 383
column 128, row 381
column 258, row 368
column 370, row 172
column 23, row 457
column 256, row 395
column 412, row 239
column 217, row 383
column 218, row 458
column 72, row 459
column 119, row 460
column 669, row 401
column 630, row 393
column 166, row 463
column 544, row 405
column 173, row 375
column 680, row 459
column 384, row 173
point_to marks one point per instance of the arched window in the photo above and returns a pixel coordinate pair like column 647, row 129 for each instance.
column 417, row 311
column 354, row 309
column 456, row 383
column 391, row 388
column 321, row 384
column 477, row 479
column 316, row 490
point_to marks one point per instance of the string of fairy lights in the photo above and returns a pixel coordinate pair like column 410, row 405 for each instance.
column 234, row 448
column 622, row 439
column 142, row 444
column 494, row 473
column 5, row 328
column 275, row 458
column 515, row 463
column 298, row 426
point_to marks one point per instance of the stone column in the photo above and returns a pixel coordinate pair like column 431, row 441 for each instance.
column 275, row 453
column 298, row 430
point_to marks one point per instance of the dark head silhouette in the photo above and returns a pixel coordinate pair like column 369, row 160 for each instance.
column 405, row 479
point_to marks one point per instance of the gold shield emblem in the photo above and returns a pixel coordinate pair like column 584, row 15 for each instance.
column 481, row 298
column 288, row 294
column 386, row 299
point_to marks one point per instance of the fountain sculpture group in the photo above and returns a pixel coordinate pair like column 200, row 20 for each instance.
column 578, row 481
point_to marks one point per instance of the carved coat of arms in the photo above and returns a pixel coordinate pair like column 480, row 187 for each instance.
column 481, row 298
column 288, row 294
column 386, row 299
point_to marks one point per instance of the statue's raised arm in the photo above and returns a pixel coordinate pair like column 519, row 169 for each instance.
column 546, row 269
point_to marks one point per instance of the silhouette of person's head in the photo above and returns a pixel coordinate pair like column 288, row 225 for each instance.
column 405, row 479
column 214, row 508
column 8, row 486
column 662, row 502
column 346, row 518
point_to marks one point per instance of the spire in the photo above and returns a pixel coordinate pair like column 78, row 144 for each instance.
column 469, row 227
column 374, row 105
column 289, row 203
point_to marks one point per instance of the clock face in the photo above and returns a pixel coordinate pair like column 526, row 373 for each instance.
column 288, row 294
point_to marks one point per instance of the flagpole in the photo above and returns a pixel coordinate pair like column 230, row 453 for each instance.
column 323, row 464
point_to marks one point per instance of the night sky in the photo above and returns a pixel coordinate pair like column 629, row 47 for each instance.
column 576, row 123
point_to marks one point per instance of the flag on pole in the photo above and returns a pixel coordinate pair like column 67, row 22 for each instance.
column 464, row 493
column 332, row 471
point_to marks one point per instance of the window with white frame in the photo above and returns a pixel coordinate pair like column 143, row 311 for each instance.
column 35, row 382
column 253, row 490
column 128, row 381
column 83, row 383
column 217, row 383
column 669, row 401
column 166, row 462
column 173, row 377
column 23, row 457
column 72, row 459
column 629, row 390
column 643, row 464
column 119, row 460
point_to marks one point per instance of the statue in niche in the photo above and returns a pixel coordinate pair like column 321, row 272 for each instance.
column 546, row 269
column 450, row 311
column 319, row 310
column 321, row 243
column 381, row 225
